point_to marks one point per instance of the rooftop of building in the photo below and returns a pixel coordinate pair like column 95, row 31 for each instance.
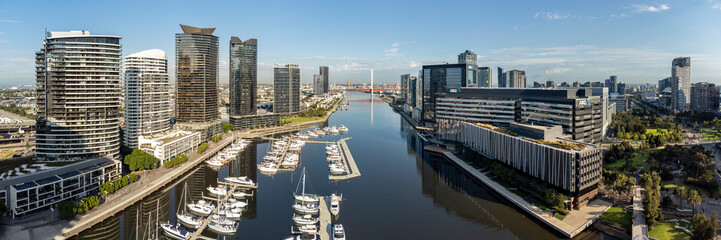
column 197, row 30
column 81, row 33
column 150, row 53
column 538, row 93
column 561, row 143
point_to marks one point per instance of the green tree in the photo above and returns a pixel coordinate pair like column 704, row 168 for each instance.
column 694, row 199
column 202, row 147
column 139, row 159
column 228, row 127
column 704, row 227
column 682, row 193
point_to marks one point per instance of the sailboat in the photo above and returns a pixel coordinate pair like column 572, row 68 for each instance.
column 304, row 207
column 185, row 217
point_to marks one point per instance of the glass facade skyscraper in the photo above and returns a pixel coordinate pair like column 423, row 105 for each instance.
column 286, row 86
column 196, row 61
column 681, row 83
column 484, row 76
column 78, row 96
column 243, row 76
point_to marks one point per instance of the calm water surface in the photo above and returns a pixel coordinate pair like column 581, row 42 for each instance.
column 402, row 193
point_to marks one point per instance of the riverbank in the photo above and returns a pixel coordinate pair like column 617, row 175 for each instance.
column 574, row 223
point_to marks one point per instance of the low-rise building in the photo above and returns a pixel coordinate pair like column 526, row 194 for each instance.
column 255, row 120
column 40, row 190
column 572, row 167
column 169, row 145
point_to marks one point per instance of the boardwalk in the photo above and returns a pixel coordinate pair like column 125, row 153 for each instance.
column 574, row 223
column 639, row 230
column 350, row 165
column 324, row 219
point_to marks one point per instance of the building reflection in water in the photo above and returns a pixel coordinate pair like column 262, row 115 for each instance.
column 245, row 164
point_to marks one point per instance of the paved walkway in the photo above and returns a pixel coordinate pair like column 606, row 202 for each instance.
column 574, row 223
column 639, row 230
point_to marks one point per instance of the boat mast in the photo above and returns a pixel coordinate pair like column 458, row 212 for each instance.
column 157, row 213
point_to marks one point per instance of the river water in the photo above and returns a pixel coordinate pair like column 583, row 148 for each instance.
column 402, row 193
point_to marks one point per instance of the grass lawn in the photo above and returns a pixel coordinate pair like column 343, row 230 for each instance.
column 656, row 131
column 710, row 134
column 298, row 120
column 665, row 231
column 543, row 206
column 617, row 217
column 641, row 159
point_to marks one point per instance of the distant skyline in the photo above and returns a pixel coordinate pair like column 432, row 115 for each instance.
column 566, row 41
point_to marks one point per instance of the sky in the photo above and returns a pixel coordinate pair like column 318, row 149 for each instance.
column 561, row 40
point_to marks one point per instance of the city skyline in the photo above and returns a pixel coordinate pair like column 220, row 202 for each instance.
column 566, row 42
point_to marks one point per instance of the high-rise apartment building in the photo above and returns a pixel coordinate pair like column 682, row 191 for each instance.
column 196, row 63
column 324, row 76
column 147, row 95
column 704, row 97
column 681, row 83
column 516, row 79
column 286, row 86
column 404, row 85
column 621, row 88
column 243, row 77
column 320, row 81
column 468, row 57
column 78, row 96
column 501, row 78
column 485, row 76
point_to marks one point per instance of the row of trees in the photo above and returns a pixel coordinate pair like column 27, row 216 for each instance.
column 619, row 182
column 227, row 127
column 177, row 160
column 216, row 138
column 652, row 200
column 704, row 227
column 139, row 159
column 112, row 186
column 202, row 147
column 68, row 209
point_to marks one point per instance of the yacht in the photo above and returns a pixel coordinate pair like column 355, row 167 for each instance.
column 221, row 220
column 312, row 134
column 342, row 128
column 189, row 220
column 336, row 169
column 338, row 232
column 240, row 194
column 217, row 191
column 214, row 163
column 201, row 208
column 303, row 207
column 331, row 147
column 312, row 228
column 302, row 236
column 245, row 181
column 223, row 229
column 333, row 130
column 175, row 231
column 309, row 198
column 305, row 219
column 303, row 136
column 267, row 169
column 333, row 157
column 335, row 204
column 236, row 204
column 231, row 213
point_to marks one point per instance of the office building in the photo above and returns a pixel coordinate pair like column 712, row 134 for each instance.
column 621, row 88
column 681, row 83
column 579, row 111
column 663, row 84
column 78, row 97
column 147, row 95
column 286, row 85
column 612, row 84
column 317, row 84
column 468, row 57
column 704, row 97
column 404, row 85
column 620, row 101
column 572, row 167
column 243, row 80
column 485, row 76
column 439, row 79
column 516, row 79
column 501, row 78
column 196, row 64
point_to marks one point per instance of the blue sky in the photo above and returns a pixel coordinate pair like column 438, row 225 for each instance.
column 561, row 40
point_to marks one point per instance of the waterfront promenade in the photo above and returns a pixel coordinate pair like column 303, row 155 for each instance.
column 574, row 223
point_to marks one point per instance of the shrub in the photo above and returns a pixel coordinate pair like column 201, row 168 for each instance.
column 202, row 147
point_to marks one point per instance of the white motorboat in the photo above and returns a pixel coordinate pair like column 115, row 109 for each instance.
column 342, row 128
column 223, row 229
column 303, row 136
column 335, row 204
column 305, row 219
column 331, row 147
column 294, row 147
column 221, row 220
column 175, row 231
column 305, row 208
column 333, row 130
column 267, row 169
column 309, row 198
column 201, row 208
column 302, row 236
column 312, row 228
column 236, row 204
column 245, row 181
column 320, row 133
column 240, row 194
column 189, row 220
column 289, row 162
column 333, row 158
column 231, row 213
column 214, row 163
column 336, row 169
column 312, row 134
column 217, row 191
column 338, row 232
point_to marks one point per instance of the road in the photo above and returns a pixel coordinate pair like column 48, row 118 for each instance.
column 639, row 230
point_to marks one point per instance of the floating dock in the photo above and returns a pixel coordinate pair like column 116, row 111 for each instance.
column 324, row 218
column 206, row 221
column 351, row 169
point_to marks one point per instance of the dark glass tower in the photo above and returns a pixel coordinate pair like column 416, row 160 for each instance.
column 196, row 54
column 286, row 86
column 243, row 76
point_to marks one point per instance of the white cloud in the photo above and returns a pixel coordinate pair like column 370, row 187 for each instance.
column 557, row 70
column 392, row 52
column 515, row 28
column 650, row 8
column 8, row 21
column 715, row 4
column 551, row 15
column 619, row 15
column 395, row 44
